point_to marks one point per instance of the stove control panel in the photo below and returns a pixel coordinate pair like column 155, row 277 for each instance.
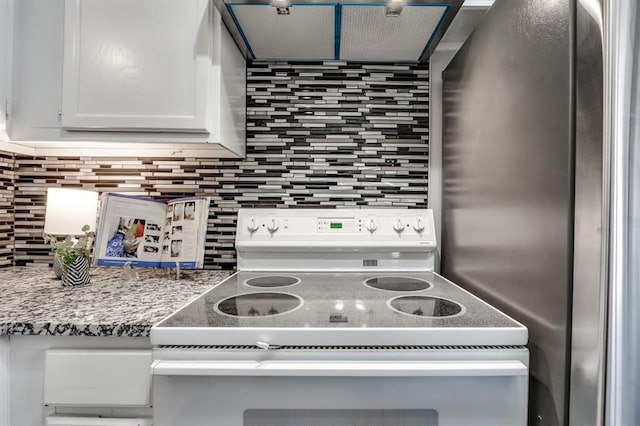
column 341, row 239
column 350, row 225
column 326, row 225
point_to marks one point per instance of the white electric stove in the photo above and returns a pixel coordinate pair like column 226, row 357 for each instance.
column 336, row 317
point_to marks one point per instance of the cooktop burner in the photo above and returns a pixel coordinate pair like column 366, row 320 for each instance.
column 263, row 304
column 272, row 281
column 425, row 306
column 397, row 283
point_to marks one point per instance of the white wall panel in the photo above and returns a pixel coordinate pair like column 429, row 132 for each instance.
column 437, row 63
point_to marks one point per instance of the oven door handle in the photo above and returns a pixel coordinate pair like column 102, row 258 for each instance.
column 339, row 368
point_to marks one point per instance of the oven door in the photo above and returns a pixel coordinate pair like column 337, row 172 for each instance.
column 340, row 393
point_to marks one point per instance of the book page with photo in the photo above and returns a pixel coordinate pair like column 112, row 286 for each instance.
column 129, row 230
column 151, row 233
column 186, row 219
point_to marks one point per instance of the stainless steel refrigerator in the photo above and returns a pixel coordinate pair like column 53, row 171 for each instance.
column 525, row 191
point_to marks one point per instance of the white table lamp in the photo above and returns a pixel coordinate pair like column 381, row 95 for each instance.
column 68, row 210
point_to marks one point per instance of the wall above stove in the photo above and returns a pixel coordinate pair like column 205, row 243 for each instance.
column 318, row 135
column 338, row 30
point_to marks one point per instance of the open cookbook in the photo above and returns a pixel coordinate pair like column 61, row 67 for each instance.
column 151, row 233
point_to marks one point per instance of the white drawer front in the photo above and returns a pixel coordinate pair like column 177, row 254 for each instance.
column 56, row 420
column 97, row 377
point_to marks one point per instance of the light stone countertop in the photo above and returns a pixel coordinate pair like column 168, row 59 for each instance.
column 33, row 302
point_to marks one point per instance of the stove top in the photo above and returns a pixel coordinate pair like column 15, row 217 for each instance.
column 326, row 308
column 341, row 277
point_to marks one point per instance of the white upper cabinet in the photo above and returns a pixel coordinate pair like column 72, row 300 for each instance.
column 136, row 65
column 123, row 77
column 5, row 25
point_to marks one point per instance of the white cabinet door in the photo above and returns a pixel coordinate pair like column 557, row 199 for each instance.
column 70, row 373
column 94, row 377
column 5, row 385
column 5, row 23
column 141, row 65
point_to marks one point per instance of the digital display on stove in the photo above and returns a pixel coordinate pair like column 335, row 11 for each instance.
column 341, row 225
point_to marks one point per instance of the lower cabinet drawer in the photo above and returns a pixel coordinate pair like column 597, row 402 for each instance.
column 56, row 420
column 97, row 378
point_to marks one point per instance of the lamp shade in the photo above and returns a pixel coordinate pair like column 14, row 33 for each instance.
column 68, row 210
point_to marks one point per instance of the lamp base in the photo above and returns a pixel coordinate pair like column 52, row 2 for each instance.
column 57, row 267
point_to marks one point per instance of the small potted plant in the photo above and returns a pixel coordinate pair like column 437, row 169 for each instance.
column 72, row 257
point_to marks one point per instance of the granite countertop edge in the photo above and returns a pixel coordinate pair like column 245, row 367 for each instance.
column 33, row 303
column 70, row 329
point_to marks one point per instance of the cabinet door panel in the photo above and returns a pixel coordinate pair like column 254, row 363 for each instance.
column 136, row 65
column 97, row 377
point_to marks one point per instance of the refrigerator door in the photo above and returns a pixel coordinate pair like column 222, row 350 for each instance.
column 508, row 181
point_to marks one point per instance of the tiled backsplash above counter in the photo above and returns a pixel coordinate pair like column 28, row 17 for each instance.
column 330, row 135
column 6, row 209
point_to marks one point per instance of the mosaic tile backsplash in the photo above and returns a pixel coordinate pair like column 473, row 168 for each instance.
column 6, row 209
column 318, row 135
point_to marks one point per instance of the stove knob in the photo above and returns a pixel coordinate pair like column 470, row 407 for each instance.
column 273, row 225
column 253, row 226
column 418, row 225
column 371, row 225
column 398, row 226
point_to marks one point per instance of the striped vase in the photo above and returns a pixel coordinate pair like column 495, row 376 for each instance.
column 77, row 273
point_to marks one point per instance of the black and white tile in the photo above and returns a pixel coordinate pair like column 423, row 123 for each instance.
column 6, row 209
column 332, row 134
